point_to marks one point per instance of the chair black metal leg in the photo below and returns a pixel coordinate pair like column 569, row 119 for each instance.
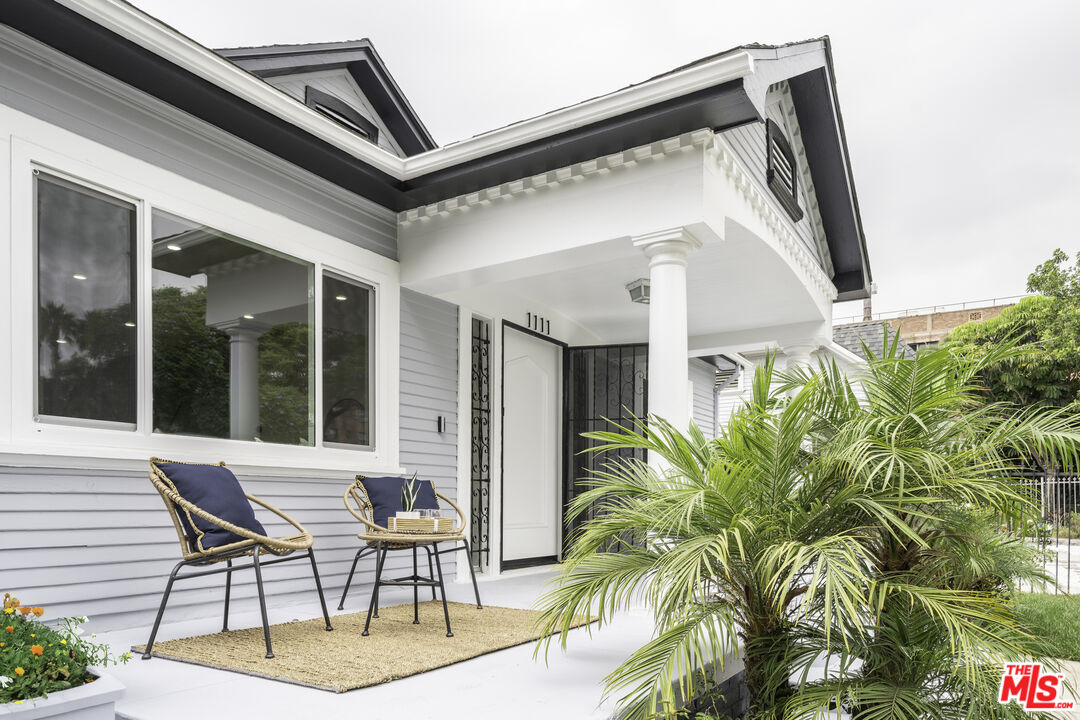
column 262, row 601
column 228, row 591
column 318, row 586
column 442, row 589
column 472, row 572
column 356, row 559
column 415, row 590
column 431, row 570
column 161, row 611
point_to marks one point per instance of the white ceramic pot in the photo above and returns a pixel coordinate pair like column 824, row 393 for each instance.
column 95, row 701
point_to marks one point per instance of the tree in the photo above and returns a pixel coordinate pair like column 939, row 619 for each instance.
column 821, row 527
column 1046, row 327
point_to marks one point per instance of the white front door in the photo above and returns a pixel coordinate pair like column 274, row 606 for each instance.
column 530, row 484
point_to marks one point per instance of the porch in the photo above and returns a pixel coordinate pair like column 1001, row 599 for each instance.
column 489, row 686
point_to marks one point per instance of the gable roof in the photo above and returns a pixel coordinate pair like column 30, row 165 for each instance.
column 717, row 92
column 364, row 65
column 872, row 333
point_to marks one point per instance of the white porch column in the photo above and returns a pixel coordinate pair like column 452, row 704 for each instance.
column 243, row 377
column 800, row 353
column 669, row 373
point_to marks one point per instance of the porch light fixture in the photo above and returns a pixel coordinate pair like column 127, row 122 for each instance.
column 639, row 291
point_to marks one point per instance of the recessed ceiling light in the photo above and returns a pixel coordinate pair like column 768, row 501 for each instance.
column 129, row 324
column 174, row 247
column 79, row 276
column 248, row 316
column 341, row 297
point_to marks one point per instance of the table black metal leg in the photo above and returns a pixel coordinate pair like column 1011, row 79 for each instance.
column 442, row 589
column 380, row 556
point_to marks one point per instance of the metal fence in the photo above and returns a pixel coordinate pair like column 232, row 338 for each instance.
column 1055, row 529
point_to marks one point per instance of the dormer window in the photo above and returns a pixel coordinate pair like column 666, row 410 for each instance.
column 341, row 113
column 782, row 175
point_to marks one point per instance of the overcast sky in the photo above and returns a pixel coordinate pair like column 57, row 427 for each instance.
column 961, row 116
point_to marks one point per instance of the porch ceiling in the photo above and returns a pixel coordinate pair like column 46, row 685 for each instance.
column 732, row 286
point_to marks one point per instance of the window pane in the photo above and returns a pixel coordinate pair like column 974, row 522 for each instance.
column 347, row 361
column 232, row 341
column 86, row 344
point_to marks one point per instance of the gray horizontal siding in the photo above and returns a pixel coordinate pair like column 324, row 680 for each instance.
column 56, row 89
column 703, row 377
column 748, row 144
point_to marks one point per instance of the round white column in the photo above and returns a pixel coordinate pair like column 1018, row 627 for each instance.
column 669, row 373
column 243, row 378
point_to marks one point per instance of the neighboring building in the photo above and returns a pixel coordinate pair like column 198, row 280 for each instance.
column 260, row 255
column 930, row 328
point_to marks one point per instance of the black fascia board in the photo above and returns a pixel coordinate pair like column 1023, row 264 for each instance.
column 720, row 107
column 812, row 95
column 100, row 48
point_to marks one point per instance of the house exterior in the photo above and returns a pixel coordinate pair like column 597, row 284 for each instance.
column 261, row 255
column 928, row 326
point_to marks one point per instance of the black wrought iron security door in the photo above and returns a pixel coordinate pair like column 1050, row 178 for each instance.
column 603, row 383
column 480, row 472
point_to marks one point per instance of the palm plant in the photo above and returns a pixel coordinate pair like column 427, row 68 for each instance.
column 852, row 522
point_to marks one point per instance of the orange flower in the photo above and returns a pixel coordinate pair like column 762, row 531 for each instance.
column 10, row 628
column 19, row 671
column 37, row 649
column 25, row 610
column 38, row 612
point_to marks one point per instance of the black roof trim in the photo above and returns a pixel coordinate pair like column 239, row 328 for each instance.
column 362, row 62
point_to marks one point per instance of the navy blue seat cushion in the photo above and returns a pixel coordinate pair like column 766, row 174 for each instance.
column 385, row 496
column 216, row 490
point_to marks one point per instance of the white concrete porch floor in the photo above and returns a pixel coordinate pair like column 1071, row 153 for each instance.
column 507, row 683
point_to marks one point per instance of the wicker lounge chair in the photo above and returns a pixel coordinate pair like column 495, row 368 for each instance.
column 380, row 540
column 253, row 544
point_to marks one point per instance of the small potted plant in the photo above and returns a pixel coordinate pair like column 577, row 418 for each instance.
column 52, row 671
column 408, row 500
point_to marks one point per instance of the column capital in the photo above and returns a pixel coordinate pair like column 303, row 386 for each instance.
column 800, row 353
column 671, row 244
column 242, row 328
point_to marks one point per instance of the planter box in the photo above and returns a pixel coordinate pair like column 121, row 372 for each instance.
column 95, row 701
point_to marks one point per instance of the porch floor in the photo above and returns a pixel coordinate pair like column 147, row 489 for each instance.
column 501, row 684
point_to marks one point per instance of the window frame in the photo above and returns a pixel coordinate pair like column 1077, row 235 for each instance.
column 49, row 441
column 787, row 195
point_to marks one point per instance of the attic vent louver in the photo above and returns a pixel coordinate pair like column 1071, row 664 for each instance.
column 782, row 175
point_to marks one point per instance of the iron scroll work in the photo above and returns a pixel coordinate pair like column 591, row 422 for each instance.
column 603, row 384
column 480, row 464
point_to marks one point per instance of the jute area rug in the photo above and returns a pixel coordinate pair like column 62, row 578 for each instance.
column 341, row 660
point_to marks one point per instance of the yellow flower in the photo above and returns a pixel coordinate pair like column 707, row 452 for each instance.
column 33, row 635
column 19, row 671
column 63, row 642
column 8, row 611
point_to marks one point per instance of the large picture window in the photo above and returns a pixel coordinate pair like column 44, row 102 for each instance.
column 232, row 342
column 86, row 332
column 232, row 336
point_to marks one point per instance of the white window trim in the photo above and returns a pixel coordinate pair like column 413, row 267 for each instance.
column 23, row 442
